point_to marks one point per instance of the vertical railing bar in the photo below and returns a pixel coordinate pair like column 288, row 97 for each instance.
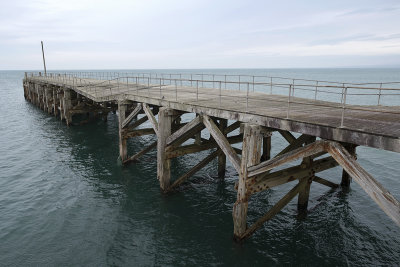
column 288, row 108
column 220, row 94
column 225, row 80
column 247, row 98
column 197, row 89
column 379, row 95
column 271, row 86
column 343, row 107
column 293, row 87
column 176, row 91
column 160, row 90
column 316, row 90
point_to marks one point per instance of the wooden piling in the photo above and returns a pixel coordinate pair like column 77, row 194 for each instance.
column 223, row 123
column 163, row 162
column 251, row 154
column 346, row 178
column 304, row 193
column 123, row 151
column 67, row 105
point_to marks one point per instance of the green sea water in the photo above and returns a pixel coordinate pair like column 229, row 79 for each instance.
column 66, row 201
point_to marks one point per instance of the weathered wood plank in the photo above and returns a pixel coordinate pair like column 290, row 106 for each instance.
column 222, row 157
column 295, row 144
column 141, row 153
column 270, row 180
column 222, row 142
column 163, row 162
column 302, row 152
column 194, row 148
column 151, row 117
column 251, row 154
column 346, row 179
column 132, row 115
column 275, row 209
column 195, row 169
column 186, row 131
column 375, row 190
column 304, row 193
column 232, row 127
column 323, row 181
column 139, row 132
column 123, row 152
column 288, row 136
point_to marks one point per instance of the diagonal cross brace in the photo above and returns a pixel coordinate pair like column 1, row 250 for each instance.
column 222, row 142
column 132, row 115
column 151, row 117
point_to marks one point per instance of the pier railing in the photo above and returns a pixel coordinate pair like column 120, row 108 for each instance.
column 381, row 97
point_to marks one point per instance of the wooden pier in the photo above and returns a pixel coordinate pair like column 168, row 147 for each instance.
column 246, row 110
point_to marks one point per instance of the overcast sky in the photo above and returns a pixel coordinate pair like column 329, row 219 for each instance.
column 134, row 34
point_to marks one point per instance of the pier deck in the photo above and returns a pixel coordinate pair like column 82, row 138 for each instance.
column 373, row 125
column 339, row 126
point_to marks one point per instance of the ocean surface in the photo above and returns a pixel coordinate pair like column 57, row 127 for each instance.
column 65, row 200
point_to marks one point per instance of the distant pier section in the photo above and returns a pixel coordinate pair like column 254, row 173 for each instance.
column 330, row 120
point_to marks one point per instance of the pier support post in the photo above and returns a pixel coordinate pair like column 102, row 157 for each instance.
column 223, row 123
column 55, row 101
column 67, row 105
column 346, row 178
column 304, row 194
column 123, row 151
column 163, row 163
column 251, row 155
column 266, row 147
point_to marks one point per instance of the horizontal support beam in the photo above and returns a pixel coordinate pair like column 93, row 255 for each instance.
column 207, row 144
column 139, row 132
column 302, row 152
column 325, row 182
column 269, row 180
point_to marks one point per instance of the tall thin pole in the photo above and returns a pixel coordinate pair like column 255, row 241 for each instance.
column 44, row 61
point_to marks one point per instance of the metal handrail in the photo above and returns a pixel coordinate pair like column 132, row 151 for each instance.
column 188, row 83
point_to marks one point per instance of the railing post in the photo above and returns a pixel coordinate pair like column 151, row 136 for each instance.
column 225, row 81
column 247, row 98
column 197, row 89
column 343, row 106
column 379, row 95
column 271, row 86
column 293, row 87
column 316, row 90
column 176, row 90
column 288, row 108
column 220, row 94
column 160, row 90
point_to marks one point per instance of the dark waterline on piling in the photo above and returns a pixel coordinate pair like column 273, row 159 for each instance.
column 65, row 200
